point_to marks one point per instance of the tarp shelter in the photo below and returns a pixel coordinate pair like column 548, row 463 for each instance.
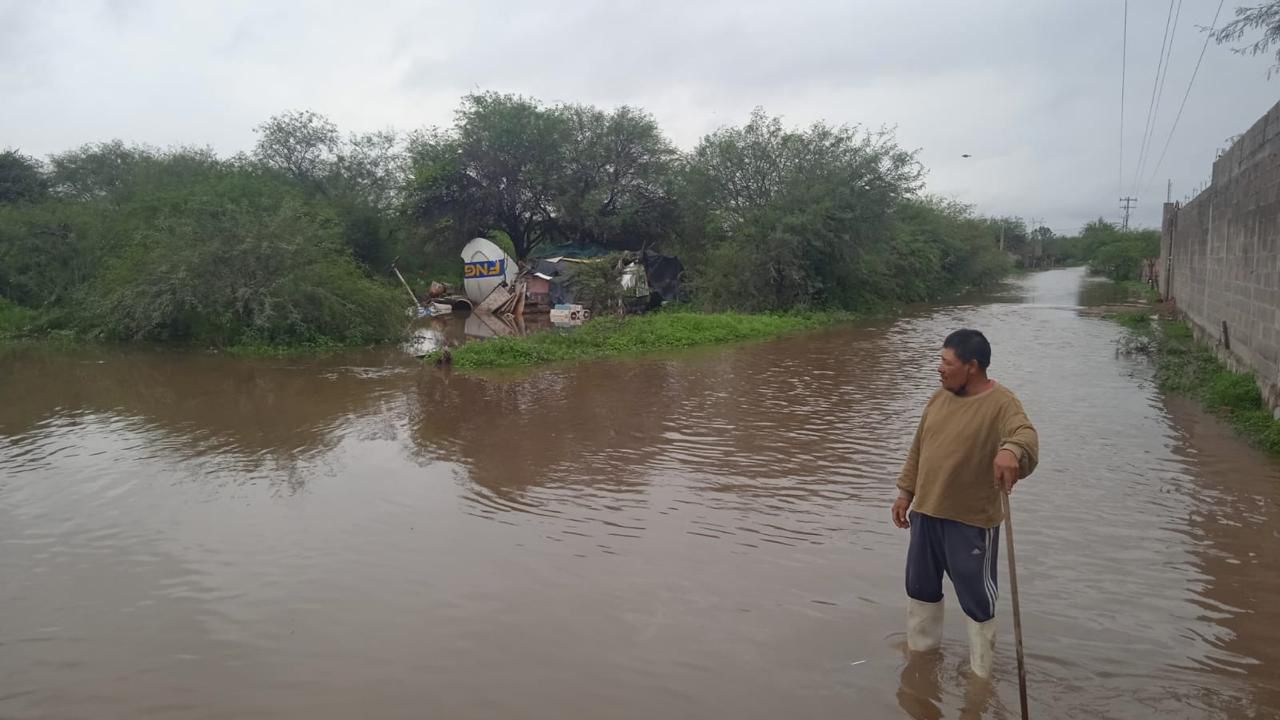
column 485, row 267
column 558, row 274
column 663, row 276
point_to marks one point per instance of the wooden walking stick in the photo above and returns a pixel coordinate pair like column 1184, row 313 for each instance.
column 1017, row 613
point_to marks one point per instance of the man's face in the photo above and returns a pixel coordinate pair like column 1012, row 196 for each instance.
column 953, row 373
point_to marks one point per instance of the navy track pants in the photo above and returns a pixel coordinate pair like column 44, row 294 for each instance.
column 967, row 554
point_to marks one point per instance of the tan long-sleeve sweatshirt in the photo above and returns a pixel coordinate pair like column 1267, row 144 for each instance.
column 950, row 467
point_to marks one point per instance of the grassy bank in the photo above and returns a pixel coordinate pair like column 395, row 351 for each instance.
column 14, row 320
column 633, row 335
column 1136, row 320
column 1189, row 368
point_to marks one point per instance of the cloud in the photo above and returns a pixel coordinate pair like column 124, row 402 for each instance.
column 1030, row 90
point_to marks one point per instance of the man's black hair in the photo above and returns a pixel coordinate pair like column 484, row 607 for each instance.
column 970, row 345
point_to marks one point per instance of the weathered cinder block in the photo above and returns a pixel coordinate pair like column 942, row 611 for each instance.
column 1253, row 140
column 1226, row 254
column 1273, row 123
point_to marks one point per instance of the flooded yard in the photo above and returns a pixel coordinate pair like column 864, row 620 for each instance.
column 701, row 535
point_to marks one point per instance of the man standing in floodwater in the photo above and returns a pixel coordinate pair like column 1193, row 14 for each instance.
column 973, row 442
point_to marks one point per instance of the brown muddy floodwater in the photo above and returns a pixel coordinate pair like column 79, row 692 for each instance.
column 703, row 535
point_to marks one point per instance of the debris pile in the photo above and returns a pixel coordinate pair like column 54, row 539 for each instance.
column 505, row 297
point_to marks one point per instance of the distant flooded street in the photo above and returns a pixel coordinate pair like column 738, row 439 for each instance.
column 702, row 535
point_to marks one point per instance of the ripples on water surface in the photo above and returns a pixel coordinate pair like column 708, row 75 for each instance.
column 702, row 535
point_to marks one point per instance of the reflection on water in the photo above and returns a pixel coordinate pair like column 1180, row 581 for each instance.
column 698, row 535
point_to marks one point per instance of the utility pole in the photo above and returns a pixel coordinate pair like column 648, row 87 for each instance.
column 1168, row 194
column 1036, row 242
column 1129, row 202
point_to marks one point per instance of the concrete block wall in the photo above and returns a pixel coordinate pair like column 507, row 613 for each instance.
column 1221, row 256
column 1254, row 145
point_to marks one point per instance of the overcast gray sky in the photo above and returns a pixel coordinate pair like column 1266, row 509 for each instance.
column 1030, row 89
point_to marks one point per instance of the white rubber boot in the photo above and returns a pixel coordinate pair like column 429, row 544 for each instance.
column 924, row 625
column 982, row 646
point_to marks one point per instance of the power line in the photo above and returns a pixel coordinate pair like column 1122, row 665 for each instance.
column 1146, row 155
column 1124, row 63
column 1155, row 116
column 1208, row 35
column 1155, row 85
column 1157, row 89
column 1124, row 54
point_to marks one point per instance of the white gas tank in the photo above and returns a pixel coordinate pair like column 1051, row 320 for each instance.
column 484, row 268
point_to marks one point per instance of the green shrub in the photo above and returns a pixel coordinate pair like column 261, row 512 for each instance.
column 1133, row 319
column 229, row 274
column 1108, row 250
column 137, row 244
column 15, row 320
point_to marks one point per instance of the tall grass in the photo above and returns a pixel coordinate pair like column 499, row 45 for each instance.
column 1189, row 368
column 15, row 320
column 1141, row 291
column 633, row 335
column 1133, row 319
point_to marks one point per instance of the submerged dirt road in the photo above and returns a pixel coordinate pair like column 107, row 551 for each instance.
column 698, row 536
